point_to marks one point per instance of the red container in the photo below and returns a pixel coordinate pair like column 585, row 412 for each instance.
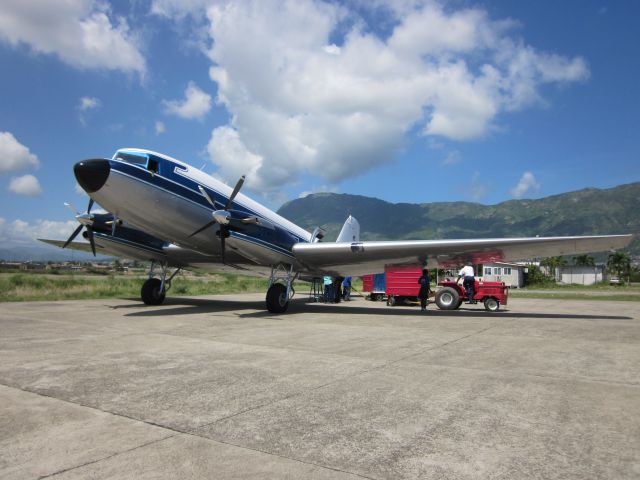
column 367, row 283
column 403, row 281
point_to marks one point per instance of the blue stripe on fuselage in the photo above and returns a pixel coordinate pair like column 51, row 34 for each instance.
column 281, row 241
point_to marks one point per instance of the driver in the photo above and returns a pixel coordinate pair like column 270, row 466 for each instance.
column 468, row 281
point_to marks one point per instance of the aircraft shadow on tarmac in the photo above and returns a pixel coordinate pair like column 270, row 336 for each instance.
column 190, row 306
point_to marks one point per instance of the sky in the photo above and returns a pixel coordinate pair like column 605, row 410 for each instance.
column 404, row 100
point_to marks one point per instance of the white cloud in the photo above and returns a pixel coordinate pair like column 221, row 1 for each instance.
column 25, row 185
column 527, row 184
column 311, row 89
column 89, row 103
column 14, row 156
column 195, row 105
column 82, row 33
column 235, row 159
column 19, row 232
column 320, row 189
column 85, row 105
column 452, row 158
column 160, row 127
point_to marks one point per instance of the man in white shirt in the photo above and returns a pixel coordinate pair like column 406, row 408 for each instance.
column 468, row 281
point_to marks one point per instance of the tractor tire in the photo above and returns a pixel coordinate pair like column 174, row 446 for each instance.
column 491, row 304
column 277, row 301
column 391, row 301
column 447, row 298
column 151, row 293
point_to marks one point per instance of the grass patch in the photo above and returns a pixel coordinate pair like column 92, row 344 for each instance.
column 600, row 291
column 32, row 287
column 578, row 296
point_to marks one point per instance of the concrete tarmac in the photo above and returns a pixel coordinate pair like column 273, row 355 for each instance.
column 216, row 387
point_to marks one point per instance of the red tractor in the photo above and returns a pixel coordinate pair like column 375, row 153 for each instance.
column 451, row 294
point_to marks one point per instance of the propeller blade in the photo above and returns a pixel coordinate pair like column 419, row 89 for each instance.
column 90, row 205
column 203, row 228
column 73, row 235
column 206, row 195
column 91, row 241
column 235, row 192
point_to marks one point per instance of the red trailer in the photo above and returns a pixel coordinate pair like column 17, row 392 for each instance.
column 402, row 284
column 451, row 295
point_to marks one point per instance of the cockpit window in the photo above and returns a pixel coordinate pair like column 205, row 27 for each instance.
column 133, row 157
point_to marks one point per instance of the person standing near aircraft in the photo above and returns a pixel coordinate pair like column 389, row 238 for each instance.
column 328, row 289
column 346, row 289
column 468, row 281
column 337, row 289
column 425, row 288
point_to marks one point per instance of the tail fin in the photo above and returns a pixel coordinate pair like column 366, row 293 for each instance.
column 350, row 231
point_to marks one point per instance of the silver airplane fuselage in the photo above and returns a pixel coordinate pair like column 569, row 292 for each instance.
column 163, row 197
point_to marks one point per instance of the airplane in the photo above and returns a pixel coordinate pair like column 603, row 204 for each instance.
column 165, row 211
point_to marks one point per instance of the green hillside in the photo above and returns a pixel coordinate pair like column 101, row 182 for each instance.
column 584, row 212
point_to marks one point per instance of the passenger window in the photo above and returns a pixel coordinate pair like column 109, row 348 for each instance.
column 487, row 270
column 498, row 271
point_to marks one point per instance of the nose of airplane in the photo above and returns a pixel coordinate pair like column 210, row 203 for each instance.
column 92, row 174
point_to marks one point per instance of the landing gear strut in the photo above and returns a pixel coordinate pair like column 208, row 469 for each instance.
column 154, row 289
column 280, row 288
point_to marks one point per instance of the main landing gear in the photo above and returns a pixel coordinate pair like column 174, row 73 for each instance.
column 280, row 288
column 154, row 289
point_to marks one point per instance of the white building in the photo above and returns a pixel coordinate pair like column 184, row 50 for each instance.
column 580, row 275
column 511, row 274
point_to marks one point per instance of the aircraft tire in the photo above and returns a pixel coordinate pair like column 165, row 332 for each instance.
column 150, row 292
column 277, row 301
column 447, row 298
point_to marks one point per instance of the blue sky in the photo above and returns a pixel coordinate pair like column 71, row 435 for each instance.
column 408, row 101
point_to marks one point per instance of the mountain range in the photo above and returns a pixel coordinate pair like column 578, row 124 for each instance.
column 590, row 211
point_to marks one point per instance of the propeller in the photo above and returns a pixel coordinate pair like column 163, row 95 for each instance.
column 221, row 217
column 86, row 220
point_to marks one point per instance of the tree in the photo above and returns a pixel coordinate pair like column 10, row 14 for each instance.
column 533, row 276
column 620, row 263
column 584, row 260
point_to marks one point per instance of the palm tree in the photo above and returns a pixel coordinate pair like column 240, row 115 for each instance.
column 620, row 263
column 584, row 260
column 552, row 264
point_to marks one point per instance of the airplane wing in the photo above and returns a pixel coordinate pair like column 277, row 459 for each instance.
column 115, row 247
column 361, row 258
column 173, row 255
column 81, row 246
